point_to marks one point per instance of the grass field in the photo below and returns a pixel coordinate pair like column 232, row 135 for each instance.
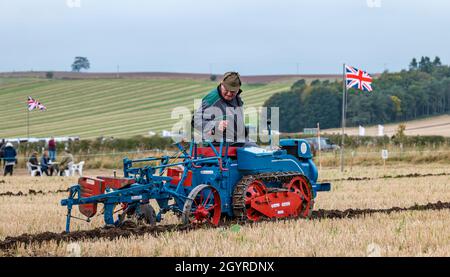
column 125, row 107
column 407, row 233
column 106, row 107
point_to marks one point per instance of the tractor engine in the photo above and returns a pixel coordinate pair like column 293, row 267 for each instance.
column 276, row 184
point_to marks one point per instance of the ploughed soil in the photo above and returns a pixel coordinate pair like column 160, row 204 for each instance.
column 411, row 175
column 112, row 233
column 32, row 192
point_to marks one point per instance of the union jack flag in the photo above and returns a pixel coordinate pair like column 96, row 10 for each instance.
column 356, row 78
column 34, row 104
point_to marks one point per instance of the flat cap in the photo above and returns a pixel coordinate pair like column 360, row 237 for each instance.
column 231, row 81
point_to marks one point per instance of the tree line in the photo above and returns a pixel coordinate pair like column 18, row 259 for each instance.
column 422, row 90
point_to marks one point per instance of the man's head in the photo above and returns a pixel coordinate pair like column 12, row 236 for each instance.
column 230, row 85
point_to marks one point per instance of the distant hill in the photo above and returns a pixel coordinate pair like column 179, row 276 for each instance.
column 166, row 75
column 92, row 107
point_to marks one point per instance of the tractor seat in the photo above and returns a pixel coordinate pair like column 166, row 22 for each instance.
column 208, row 152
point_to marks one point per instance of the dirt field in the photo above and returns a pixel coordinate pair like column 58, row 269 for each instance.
column 357, row 218
column 433, row 126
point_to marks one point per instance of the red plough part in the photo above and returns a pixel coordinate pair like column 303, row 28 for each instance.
column 90, row 186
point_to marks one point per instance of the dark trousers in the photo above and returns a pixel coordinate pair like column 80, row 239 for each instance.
column 8, row 169
column 47, row 169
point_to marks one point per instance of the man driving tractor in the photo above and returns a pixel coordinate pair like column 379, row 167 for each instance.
column 221, row 115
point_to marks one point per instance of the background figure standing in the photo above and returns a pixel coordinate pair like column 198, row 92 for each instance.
column 52, row 149
column 9, row 157
column 2, row 148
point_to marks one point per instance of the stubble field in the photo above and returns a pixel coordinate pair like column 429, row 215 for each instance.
column 356, row 218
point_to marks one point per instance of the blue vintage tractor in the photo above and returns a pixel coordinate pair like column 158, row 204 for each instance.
column 203, row 184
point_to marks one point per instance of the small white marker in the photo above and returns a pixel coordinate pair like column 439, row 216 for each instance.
column 73, row 249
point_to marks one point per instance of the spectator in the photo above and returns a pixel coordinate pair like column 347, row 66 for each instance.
column 2, row 148
column 45, row 166
column 52, row 149
column 64, row 164
column 9, row 157
column 33, row 160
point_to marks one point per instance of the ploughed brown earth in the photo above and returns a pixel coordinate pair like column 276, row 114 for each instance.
column 31, row 192
column 112, row 233
column 412, row 175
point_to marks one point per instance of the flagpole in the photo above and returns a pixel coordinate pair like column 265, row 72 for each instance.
column 320, row 148
column 28, row 125
column 344, row 101
column 28, row 134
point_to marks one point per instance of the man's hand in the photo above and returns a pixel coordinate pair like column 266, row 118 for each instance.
column 222, row 125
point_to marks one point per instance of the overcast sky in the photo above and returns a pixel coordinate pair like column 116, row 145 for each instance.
column 252, row 36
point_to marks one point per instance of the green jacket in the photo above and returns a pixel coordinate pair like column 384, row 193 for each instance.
column 215, row 108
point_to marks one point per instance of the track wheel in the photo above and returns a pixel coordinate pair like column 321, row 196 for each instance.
column 141, row 214
column 255, row 189
column 301, row 186
column 202, row 206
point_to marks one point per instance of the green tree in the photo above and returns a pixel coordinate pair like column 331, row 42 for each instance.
column 299, row 86
column 322, row 105
column 437, row 61
column 413, row 64
column 425, row 65
column 400, row 136
column 80, row 63
column 397, row 104
column 291, row 113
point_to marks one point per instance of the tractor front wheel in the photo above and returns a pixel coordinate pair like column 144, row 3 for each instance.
column 202, row 206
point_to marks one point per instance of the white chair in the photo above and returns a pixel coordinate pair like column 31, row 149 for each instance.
column 78, row 168
column 69, row 171
column 34, row 172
